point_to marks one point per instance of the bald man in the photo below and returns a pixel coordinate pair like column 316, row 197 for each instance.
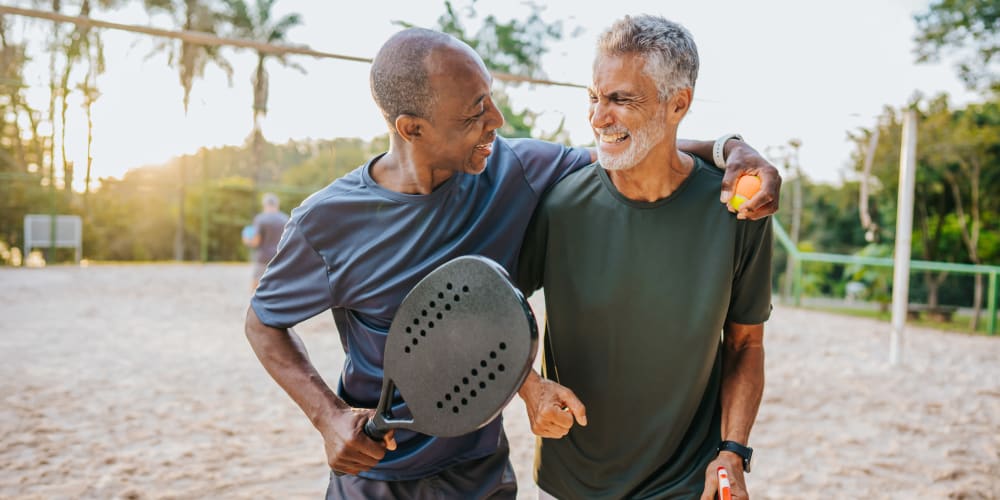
column 448, row 186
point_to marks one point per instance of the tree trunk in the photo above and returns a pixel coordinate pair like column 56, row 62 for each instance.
column 970, row 236
column 179, row 235
column 51, row 146
column 64, row 101
column 259, row 111
column 90, row 141
column 933, row 282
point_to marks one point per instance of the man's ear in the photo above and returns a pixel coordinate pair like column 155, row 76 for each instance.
column 410, row 127
column 679, row 104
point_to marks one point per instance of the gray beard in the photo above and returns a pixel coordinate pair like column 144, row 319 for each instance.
column 643, row 140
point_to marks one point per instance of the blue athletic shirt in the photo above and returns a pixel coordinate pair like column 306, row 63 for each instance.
column 357, row 248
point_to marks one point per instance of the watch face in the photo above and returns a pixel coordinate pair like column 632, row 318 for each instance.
column 748, row 464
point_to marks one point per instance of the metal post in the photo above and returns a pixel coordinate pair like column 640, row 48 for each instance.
column 203, row 239
column 798, row 281
column 904, row 235
column 991, row 319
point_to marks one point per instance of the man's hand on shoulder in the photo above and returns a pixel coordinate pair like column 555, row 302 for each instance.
column 551, row 407
column 348, row 448
column 741, row 159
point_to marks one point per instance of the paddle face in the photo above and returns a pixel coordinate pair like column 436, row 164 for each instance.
column 459, row 348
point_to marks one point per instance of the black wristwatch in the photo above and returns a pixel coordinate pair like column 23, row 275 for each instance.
column 745, row 452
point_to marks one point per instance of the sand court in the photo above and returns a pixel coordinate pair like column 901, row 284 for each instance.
column 135, row 381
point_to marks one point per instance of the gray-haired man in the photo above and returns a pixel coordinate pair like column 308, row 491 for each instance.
column 655, row 294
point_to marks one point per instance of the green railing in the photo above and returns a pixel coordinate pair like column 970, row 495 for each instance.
column 798, row 257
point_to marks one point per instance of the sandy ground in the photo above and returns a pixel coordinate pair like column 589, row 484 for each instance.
column 137, row 382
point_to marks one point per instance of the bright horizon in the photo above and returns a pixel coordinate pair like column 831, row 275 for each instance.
column 772, row 71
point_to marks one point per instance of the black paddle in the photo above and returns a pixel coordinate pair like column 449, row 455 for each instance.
column 459, row 347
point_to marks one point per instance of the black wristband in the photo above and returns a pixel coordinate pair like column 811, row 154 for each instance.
column 745, row 452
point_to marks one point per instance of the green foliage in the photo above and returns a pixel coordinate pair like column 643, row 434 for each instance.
column 968, row 28
column 514, row 47
column 878, row 279
column 332, row 159
column 958, row 159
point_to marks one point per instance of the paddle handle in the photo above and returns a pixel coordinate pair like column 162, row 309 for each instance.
column 373, row 431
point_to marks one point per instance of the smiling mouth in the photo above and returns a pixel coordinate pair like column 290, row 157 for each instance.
column 486, row 147
column 613, row 138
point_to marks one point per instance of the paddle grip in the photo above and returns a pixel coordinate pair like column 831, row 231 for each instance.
column 373, row 431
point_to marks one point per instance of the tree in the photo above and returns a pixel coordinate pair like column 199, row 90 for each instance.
column 513, row 47
column 257, row 23
column 967, row 27
column 22, row 148
column 958, row 154
column 82, row 45
column 191, row 61
column 969, row 147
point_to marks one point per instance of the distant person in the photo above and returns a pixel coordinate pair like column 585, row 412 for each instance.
column 263, row 235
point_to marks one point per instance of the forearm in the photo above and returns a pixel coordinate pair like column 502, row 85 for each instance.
column 742, row 389
column 703, row 149
column 284, row 357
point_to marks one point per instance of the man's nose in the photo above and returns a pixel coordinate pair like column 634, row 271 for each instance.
column 496, row 117
column 599, row 116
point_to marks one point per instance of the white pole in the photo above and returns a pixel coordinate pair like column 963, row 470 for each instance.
column 904, row 232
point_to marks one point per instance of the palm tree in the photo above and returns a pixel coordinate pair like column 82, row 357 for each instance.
column 257, row 23
column 191, row 60
column 82, row 44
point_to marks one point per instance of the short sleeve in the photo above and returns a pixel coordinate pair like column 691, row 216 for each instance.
column 531, row 262
column 751, row 296
column 295, row 286
column 545, row 163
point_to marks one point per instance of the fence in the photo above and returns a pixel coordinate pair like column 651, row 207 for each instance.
column 799, row 257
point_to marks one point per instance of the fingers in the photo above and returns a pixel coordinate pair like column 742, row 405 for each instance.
column 390, row 440
column 349, row 449
column 556, row 413
column 766, row 201
column 760, row 205
column 552, row 421
column 711, row 482
column 729, row 179
column 575, row 406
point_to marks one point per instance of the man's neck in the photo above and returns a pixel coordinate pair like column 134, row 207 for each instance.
column 655, row 178
column 399, row 172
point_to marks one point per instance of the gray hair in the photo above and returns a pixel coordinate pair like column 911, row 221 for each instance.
column 667, row 47
column 270, row 200
column 398, row 78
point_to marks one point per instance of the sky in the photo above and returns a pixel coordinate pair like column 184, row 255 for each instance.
column 770, row 70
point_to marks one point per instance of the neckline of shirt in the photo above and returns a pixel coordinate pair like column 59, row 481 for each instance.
column 609, row 185
column 369, row 182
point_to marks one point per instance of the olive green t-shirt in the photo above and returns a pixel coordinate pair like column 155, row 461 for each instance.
column 636, row 296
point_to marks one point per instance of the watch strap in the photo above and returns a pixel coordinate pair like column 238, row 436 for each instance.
column 719, row 149
column 744, row 452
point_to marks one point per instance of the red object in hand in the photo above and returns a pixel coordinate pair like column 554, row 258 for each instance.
column 725, row 492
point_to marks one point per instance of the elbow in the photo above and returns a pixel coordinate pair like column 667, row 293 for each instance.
column 252, row 327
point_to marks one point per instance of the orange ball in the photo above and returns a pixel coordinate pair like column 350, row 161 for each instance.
column 746, row 187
